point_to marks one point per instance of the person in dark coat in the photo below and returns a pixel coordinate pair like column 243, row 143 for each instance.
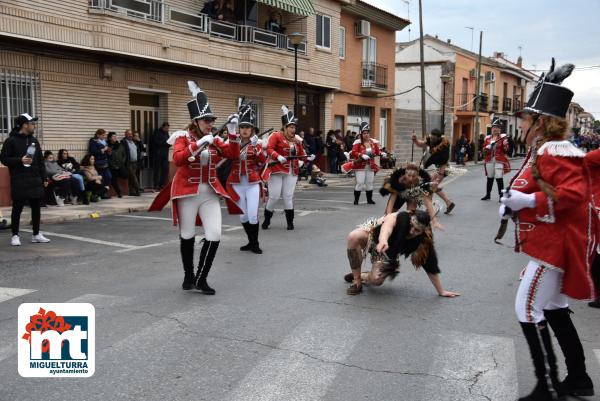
column 160, row 155
column 98, row 147
column 27, row 175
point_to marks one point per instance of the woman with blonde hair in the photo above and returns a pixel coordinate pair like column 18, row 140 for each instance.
column 549, row 200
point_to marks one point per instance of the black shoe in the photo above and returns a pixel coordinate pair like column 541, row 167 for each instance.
column 254, row 239
column 356, row 197
column 289, row 217
column 186, row 248
column 541, row 392
column 349, row 277
column 487, row 197
column 370, row 200
column 594, row 304
column 203, row 286
column 247, row 229
column 267, row 221
column 450, row 208
column 580, row 386
column 188, row 281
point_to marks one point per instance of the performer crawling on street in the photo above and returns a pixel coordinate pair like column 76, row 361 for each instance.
column 411, row 185
column 387, row 238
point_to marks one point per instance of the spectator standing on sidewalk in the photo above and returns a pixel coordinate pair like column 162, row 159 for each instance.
column 332, row 152
column 137, row 139
column 461, row 149
column 132, row 155
column 98, row 147
column 160, row 155
column 27, row 174
column 116, row 162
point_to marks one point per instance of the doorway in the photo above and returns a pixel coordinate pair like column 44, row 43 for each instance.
column 144, row 118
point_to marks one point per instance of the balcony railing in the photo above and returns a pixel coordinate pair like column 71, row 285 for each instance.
column 374, row 77
column 160, row 12
column 507, row 104
column 517, row 105
column 468, row 102
column 495, row 101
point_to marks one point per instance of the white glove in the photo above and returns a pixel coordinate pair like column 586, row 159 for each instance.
column 281, row 159
column 518, row 200
column 383, row 154
column 365, row 157
column 298, row 138
column 501, row 212
column 310, row 158
column 205, row 139
column 232, row 123
column 253, row 140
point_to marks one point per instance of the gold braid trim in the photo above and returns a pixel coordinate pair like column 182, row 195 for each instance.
column 441, row 146
column 420, row 255
column 546, row 188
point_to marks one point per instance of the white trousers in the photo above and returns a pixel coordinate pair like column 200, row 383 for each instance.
column 281, row 186
column 204, row 204
column 539, row 290
column 364, row 179
column 494, row 169
column 249, row 193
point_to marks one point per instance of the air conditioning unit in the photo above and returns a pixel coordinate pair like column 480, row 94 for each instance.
column 473, row 73
column 521, row 82
column 363, row 29
column 490, row 76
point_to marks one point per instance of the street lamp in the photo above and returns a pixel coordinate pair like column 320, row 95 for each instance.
column 295, row 39
column 445, row 80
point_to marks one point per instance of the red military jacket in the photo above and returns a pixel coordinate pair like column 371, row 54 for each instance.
column 248, row 167
column 558, row 234
column 592, row 164
column 278, row 145
column 498, row 151
column 358, row 149
column 190, row 174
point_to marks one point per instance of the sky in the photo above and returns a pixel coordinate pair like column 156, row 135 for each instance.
column 565, row 30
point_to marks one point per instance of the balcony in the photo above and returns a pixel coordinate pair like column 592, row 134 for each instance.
column 157, row 11
column 507, row 105
column 495, row 101
column 517, row 104
column 374, row 78
column 467, row 102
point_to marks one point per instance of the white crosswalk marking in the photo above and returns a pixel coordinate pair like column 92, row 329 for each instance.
column 7, row 293
column 476, row 367
column 303, row 366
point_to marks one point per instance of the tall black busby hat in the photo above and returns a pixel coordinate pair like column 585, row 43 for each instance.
column 288, row 116
column 246, row 114
column 496, row 122
column 199, row 107
column 364, row 126
column 549, row 97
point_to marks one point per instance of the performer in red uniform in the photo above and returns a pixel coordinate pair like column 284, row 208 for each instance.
column 243, row 183
column 496, row 163
column 364, row 150
column 592, row 162
column 551, row 205
column 285, row 150
column 195, row 189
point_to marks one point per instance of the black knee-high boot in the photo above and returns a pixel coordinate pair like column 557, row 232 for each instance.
column 356, row 197
column 577, row 382
column 289, row 218
column 247, row 229
column 267, row 220
column 488, row 188
column 186, row 248
column 207, row 256
column 370, row 200
column 550, row 356
column 254, row 239
column 500, row 183
column 541, row 392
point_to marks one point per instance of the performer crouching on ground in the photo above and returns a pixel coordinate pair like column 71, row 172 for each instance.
column 195, row 189
column 496, row 163
column 243, row 183
column 550, row 201
column 285, row 150
column 439, row 149
column 411, row 185
column 387, row 238
column 363, row 152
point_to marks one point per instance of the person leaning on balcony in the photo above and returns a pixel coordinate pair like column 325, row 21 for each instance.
column 226, row 11
column 211, row 8
column 274, row 23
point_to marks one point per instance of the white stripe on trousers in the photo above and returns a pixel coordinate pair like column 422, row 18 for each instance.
column 249, row 193
column 281, row 186
column 204, row 204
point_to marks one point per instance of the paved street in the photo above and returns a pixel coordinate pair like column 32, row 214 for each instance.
column 281, row 326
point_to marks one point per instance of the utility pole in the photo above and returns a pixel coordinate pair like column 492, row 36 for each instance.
column 423, row 123
column 477, row 103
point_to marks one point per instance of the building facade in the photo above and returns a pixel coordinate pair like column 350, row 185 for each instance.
column 118, row 64
column 366, row 58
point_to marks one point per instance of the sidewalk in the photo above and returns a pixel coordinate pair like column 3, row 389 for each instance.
column 55, row 214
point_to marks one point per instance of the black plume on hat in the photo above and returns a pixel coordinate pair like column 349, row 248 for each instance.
column 198, row 107
column 288, row 116
column 549, row 97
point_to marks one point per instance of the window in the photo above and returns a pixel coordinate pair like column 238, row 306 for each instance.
column 323, row 31
column 369, row 50
column 342, row 42
column 18, row 94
